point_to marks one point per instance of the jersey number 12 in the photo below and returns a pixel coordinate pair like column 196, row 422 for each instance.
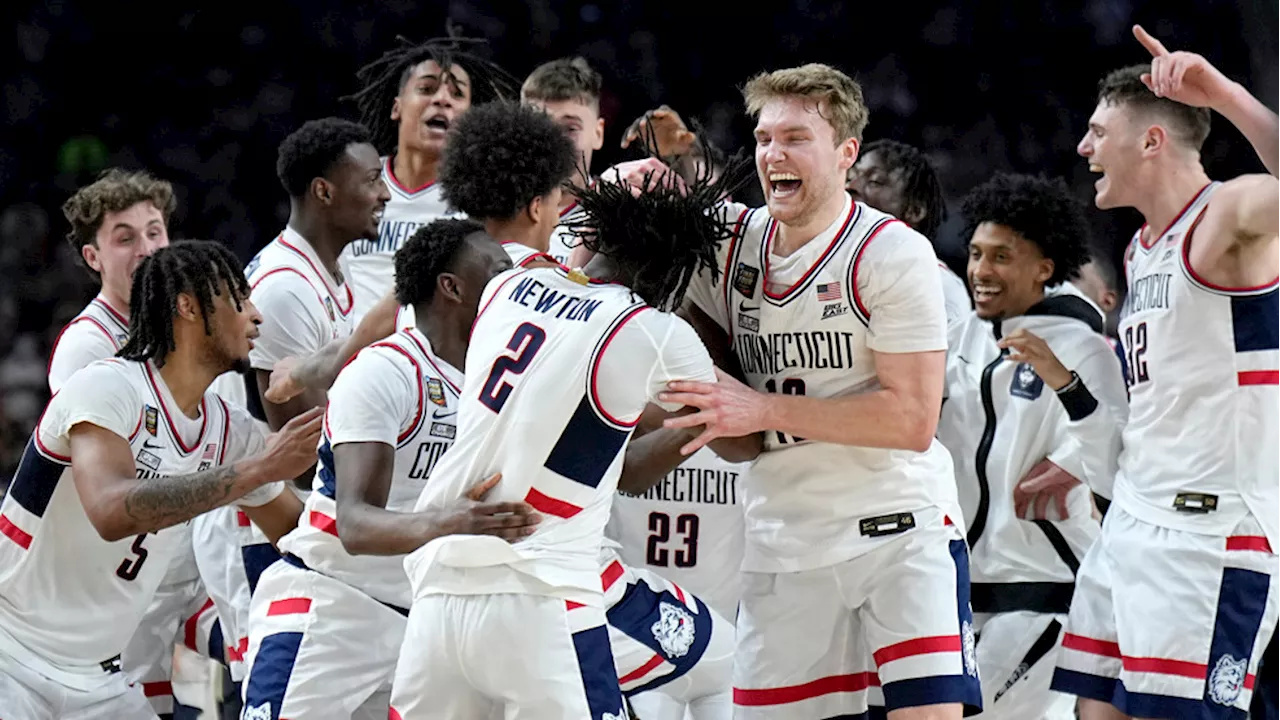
column 790, row 386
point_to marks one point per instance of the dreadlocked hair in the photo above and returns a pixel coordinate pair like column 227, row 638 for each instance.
column 920, row 186
column 197, row 267
column 662, row 236
column 429, row 251
column 382, row 80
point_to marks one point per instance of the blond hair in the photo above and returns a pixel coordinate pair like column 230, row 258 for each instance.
column 838, row 96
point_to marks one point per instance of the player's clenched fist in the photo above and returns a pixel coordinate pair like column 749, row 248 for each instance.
column 292, row 449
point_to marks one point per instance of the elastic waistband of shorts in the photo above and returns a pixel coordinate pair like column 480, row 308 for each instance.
column 296, row 561
column 1041, row 597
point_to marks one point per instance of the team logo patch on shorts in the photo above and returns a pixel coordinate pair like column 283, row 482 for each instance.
column 1227, row 679
column 745, row 279
column 969, row 646
column 261, row 712
column 1026, row 383
column 435, row 391
column 674, row 630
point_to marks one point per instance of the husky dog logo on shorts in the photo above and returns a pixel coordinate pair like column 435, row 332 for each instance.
column 1226, row 680
column 622, row 715
column 674, row 630
column 970, row 649
column 261, row 712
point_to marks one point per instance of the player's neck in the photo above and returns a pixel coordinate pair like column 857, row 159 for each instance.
column 414, row 170
column 516, row 231
column 117, row 301
column 321, row 236
column 792, row 237
column 1168, row 197
column 187, row 377
column 447, row 336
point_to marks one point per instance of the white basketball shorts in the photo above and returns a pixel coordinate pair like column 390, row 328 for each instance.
column 179, row 612
column 890, row 628
column 523, row 657
column 1016, row 655
column 1170, row 624
column 318, row 648
column 25, row 694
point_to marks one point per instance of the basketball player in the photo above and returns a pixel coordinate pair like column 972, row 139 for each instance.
column 1097, row 280
column 568, row 90
column 327, row 623
column 542, row 597
column 1032, row 388
column 1178, row 598
column 856, row 566
column 409, row 99
column 897, row 178
column 128, row 450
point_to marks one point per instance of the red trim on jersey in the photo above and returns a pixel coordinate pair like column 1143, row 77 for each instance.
column 490, row 301
column 417, row 376
column 853, row 682
column 569, row 208
column 431, row 360
column 157, row 689
column 35, row 435
column 323, row 522
column 15, row 533
column 831, row 246
column 611, row 575
column 1173, row 222
column 83, row 318
column 918, row 646
column 1258, row 377
column 538, row 257
column 289, row 606
column 236, row 654
column 853, row 274
column 550, row 505
column 391, row 173
column 1089, row 645
column 595, row 369
column 193, row 624
column 324, row 278
column 1249, row 542
column 273, row 271
column 136, row 428
column 393, row 715
column 1186, row 264
column 119, row 317
column 226, row 431
column 242, row 518
column 168, row 418
column 641, row 671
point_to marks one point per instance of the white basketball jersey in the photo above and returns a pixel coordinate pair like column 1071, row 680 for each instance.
column 371, row 263
column 395, row 392
column 562, row 241
column 558, row 372
column 97, row 333
column 807, row 325
column 688, row 528
column 70, row 600
column 1200, row 447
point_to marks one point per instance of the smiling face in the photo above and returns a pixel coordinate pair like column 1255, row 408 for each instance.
column 802, row 166
column 1114, row 145
column 123, row 239
column 430, row 100
column 1006, row 271
column 356, row 194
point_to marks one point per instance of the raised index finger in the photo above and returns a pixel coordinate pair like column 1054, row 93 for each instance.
column 1153, row 46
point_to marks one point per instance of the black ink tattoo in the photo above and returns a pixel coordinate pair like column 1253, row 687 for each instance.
column 162, row 502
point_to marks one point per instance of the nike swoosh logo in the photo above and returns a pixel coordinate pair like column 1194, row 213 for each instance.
column 437, row 415
column 147, row 444
column 742, row 307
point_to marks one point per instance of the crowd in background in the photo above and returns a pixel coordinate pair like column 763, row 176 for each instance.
column 203, row 97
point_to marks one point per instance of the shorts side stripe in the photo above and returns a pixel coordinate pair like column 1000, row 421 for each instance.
column 853, row 682
column 268, row 679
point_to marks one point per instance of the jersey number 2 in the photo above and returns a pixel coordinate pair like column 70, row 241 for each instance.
column 131, row 566
column 525, row 343
column 660, row 532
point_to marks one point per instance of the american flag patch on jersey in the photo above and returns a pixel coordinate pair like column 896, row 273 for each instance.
column 828, row 292
column 210, row 451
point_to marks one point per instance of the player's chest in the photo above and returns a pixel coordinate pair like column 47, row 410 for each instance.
column 161, row 447
column 431, row 434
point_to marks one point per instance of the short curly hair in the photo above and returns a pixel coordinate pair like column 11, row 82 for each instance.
column 500, row 156
column 313, row 149
column 1041, row 210
column 1124, row 86
column 115, row 190
column 429, row 251
column 564, row 79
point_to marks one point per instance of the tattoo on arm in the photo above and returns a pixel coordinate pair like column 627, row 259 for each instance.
column 166, row 501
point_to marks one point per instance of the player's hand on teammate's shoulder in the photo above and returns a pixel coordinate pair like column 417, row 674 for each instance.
column 292, row 449
column 1045, row 486
column 663, row 126
column 1025, row 346
column 283, row 387
column 727, row 408
column 1184, row 77
column 511, row 521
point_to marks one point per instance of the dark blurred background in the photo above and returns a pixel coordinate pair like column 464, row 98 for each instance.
column 202, row 97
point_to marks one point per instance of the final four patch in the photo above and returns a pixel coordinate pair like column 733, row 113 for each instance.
column 435, row 391
column 745, row 279
column 152, row 416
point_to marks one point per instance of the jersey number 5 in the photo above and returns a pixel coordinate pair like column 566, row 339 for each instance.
column 131, row 566
column 660, row 529
column 525, row 343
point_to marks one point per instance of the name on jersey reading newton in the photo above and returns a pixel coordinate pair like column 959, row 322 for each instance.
column 815, row 349
column 695, row 485
column 562, row 305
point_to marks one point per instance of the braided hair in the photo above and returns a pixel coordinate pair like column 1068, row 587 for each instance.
column 382, row 80
column 201, row 268
column 662, row 236
column 920, row 186
column 429, row 251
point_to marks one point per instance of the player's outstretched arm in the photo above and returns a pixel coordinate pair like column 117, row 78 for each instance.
column 652, row 455
column 120, row 505
column 366, row 527
column 278, row 517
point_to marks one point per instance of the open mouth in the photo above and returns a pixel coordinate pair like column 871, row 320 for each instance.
column 438, row 122
column 783, row 184
column 1096, row 168
column 985, row 293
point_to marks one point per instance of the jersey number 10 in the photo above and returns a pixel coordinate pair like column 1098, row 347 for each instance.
column 790, row 386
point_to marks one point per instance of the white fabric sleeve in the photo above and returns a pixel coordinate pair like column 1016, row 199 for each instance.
column 81, row 343
column 248, row 437
column 294, row 320
column 1089, row 446
column 373, row 399
column 101, row 394
column 708, row 295
column 898, row 284
column 658, row 346
column 955, row 295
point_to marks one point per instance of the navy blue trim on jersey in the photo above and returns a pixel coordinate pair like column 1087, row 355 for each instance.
column 268, row 680
column 635, row 616
column 257, row 558
column 328, row 483
column 35, row 480
column 217, row 645
column 1254, row 321
column 587, row 447
column 599, row 678
column 1242, row 602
